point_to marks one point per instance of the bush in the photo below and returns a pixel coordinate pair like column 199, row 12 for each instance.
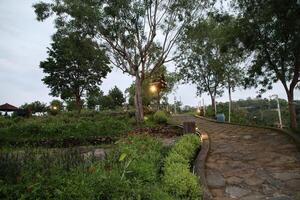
column 160, row 117
column 177, row 179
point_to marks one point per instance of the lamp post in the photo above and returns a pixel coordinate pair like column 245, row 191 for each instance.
column 278, row 109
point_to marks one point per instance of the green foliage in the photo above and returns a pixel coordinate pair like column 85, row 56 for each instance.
column 160, row 117
column 270, row 32
column 113, row 100
column 149, row 97
column 117, row 97
column 255, row 111
column 63, row 126
column 129, row 29
column 76, row 63
column 66, row 175
column 56, row 106
column 177, row 178
column 35, row 107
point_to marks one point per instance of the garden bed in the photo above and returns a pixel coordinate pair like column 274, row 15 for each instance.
column 137, row 167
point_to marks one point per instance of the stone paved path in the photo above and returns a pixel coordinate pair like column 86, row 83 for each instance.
column 250, row 163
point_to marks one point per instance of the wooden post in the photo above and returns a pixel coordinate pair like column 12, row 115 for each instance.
column 189, row 127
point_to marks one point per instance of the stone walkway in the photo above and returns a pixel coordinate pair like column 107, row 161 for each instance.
column 249, row 163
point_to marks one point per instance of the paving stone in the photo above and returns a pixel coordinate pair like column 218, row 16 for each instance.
column 293, row 184
column 283, row 197
column 217, row 192
column 215, row 179
column 247, row 137
column 236, row 192
column 254, row 180
column 234, row 180
column 254, row 197
column 284, row 176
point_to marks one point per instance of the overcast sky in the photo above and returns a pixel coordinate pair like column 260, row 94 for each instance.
column 23, row 44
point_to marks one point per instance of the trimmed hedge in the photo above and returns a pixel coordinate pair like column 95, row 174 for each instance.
column 178, row 179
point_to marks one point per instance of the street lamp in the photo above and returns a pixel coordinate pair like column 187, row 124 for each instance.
column 278, row 109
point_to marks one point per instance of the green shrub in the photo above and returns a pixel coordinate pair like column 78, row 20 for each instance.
column 177, row 179
column 64, row 125
column 5, row 122
column 160, row 117
column 143, row 153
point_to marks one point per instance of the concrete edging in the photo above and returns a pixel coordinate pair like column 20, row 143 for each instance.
column 199, row 165
column 295, row 137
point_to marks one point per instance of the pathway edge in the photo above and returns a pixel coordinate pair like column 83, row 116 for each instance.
column 199, row 166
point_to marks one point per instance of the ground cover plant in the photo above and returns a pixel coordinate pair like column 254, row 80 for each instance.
column 64, row 126
column 132, row 170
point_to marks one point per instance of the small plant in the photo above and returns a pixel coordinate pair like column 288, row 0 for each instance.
column 160, row 117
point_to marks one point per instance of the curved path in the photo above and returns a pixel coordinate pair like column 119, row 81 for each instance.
column 249, row 163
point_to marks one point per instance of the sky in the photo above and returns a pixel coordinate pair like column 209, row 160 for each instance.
column 24, row 42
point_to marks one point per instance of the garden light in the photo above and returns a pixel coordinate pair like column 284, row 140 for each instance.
column 54, row 107
column 153, row 88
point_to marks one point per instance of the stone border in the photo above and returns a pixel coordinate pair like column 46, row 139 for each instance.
column 199, row 165
column 294, row 136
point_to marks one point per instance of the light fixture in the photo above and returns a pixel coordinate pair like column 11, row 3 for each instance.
column 153, row 88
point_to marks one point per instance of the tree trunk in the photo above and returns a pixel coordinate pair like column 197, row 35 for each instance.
column 213, row 104
column 78, row 103
column 229, row 104
column 292, row 109
column 139, row 113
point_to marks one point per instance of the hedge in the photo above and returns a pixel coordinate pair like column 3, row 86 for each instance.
column 178, row 179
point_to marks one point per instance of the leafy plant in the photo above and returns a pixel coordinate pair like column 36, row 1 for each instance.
column 160, row 117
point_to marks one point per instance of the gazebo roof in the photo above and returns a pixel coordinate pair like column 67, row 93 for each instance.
column 7, row 107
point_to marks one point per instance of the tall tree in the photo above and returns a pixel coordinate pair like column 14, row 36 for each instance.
column 271, row 33
column 201, row 58
column 75, row 64
column 130, row 29
column 232, row 55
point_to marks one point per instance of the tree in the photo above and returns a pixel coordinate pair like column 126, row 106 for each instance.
column 35, row 107
column 75, row 65
column 147, row 96
column 93, row 98
column 117, row 97
column 130, row 30
column 270, row 31
column 201, row 58
column 106, row 102
column 56, row 106
column 231, row 53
